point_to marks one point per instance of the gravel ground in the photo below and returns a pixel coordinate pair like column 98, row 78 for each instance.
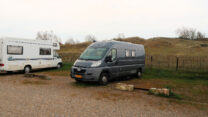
column 62, row 97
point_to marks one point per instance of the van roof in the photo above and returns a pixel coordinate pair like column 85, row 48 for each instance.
column 110, row 43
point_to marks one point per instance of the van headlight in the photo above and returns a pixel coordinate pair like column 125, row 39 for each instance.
column 75, row 63
column 96, row 64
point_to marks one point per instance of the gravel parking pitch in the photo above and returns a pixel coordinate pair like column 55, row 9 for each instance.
column 62, row 97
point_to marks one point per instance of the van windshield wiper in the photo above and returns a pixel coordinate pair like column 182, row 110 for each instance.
column 89, row 59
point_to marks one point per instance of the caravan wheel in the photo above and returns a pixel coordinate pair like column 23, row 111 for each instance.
column 27, row 69
column 59, row 66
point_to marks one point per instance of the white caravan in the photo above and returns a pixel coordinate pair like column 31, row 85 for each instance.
column 26, row 55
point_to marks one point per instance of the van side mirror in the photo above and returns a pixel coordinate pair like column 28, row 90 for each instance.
column 108, row 59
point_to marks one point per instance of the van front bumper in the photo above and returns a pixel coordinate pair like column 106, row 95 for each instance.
column 87, row 74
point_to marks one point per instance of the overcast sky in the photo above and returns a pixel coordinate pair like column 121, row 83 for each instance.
column 104, row 19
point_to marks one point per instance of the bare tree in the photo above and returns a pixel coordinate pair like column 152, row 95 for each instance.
column 90, row 38
column 47, row 35
column 192, row 34
column 121, row 36
column 186, row 33
column 200, row 35
column 70, row 41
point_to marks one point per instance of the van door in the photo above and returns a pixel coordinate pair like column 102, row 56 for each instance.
column 114, row 68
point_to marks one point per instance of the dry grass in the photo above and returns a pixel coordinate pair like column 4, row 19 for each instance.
column 74, row 48
column 154, row 46
column 169, row 46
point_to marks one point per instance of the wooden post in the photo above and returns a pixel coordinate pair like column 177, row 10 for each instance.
column 177, row 63
column 151, row 61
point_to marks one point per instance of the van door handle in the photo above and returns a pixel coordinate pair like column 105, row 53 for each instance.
column 116, row 62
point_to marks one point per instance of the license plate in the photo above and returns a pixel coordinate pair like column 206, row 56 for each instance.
column 78, row 76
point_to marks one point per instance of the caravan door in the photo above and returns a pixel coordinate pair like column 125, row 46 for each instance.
column 56, row 58
column 15, row 57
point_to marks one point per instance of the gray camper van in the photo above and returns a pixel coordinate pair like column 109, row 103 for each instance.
column 103, row 61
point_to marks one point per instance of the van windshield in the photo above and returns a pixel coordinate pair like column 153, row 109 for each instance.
column 93, row 53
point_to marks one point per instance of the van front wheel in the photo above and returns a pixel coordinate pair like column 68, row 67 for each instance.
column 103, row 80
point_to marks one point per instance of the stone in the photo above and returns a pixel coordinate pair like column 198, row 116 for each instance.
column 163, row 91
column 124, row 87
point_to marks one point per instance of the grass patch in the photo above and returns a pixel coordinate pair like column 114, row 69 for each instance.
column 63, row 71
column 191, row 86
column 65, row 67
column 172, row 95
column 34, row 82
column 162, row 73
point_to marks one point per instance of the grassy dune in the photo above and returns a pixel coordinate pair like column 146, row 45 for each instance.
column 154, row 46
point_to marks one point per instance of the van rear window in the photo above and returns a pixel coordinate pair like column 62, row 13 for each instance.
column 127, row 53
column 16, row 50
column 133, row 53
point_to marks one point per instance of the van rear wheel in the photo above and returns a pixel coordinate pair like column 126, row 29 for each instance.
column 139, row 73
column 103, row 80
column 27, row 69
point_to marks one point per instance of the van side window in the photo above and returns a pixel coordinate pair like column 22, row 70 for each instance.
column 133, row 53
column 16, row 50
column 127, row 53
column 114, row 54
column 45, row 51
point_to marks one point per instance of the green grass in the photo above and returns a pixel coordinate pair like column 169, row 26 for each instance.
column 63, row 71
column 158, row 73
column 190, row 86
column 65, row 67
column 179, row 77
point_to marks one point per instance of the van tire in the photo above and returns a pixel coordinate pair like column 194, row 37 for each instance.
column 27, row 69
column 103, row 80
column 139, row 73
column 9, row 72
column 78, row 81
column 59, row 65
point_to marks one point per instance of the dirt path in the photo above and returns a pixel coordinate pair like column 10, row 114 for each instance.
column 61, row 97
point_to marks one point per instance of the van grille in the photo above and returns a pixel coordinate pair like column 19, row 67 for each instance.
column 79, row 72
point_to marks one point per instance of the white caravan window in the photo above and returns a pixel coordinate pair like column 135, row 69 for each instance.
column 45, row 51
column 17, row 50
column 127, row 53
column 133, row 53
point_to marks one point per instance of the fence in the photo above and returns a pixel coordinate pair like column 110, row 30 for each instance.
column 178, row 63
column 182, row 63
